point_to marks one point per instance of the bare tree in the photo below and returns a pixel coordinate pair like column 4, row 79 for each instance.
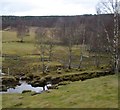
column 40, row 44
column 70, row 34
column 111, row 7
column 22, row 30
column 51, row 33
column 97, row 53
column 81, row 33
column 67, row 36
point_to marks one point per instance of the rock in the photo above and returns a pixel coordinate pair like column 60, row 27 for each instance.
column 53, row 87
column 26, row 91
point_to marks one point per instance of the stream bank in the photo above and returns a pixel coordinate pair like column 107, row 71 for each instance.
column 38, row 82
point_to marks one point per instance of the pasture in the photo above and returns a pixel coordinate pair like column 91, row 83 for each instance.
column 24, row 59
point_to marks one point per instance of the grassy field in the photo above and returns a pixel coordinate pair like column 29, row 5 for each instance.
column 94, row 93
column 29, row 53
column 24, row 58
column 16, row 48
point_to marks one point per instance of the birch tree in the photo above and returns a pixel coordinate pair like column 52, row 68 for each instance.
column 98, row 30
column 40, row 44
column 111, row 7
column 67, row 36
column 81, row 33
column 51, row 33
column 71, row 37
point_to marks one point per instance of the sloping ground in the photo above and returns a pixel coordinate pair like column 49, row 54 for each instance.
column 99, row 92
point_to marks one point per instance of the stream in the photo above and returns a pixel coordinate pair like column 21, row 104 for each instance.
column 25, row 86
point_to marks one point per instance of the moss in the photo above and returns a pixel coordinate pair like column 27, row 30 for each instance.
column 35, row 84
column 17, row 78
column 36, row 77
column 56, row 80
column 25, row 78
column 63, row 83
column 67, row 70
column 48, row 77
column 39, row 83
column 3, row 88
column 30, row 76
column 74, row 78
column 59, row 71
column 9, row 81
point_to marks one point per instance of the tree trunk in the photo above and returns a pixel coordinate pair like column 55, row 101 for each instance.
column 70, row 56
column 115, row 40
column 81, row 53
column 80, row 63
column 97, row 60
column 50, row 52
column 42, row 58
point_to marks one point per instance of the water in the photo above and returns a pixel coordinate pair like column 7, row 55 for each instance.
column 25, row 86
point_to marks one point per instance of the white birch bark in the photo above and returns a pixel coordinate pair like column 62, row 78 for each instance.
column 111, row 7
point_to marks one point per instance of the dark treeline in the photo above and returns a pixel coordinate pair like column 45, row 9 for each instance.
column 49, row 21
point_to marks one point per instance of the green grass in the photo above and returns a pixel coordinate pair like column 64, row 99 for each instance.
column 29, row 55
column 97, row 93
column 9, row 36
column 94, row 93
column 11, row 45
column 18, row 48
